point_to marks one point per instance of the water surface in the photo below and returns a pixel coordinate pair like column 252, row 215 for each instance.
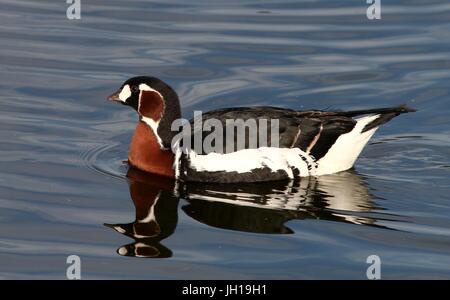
column 64, row 187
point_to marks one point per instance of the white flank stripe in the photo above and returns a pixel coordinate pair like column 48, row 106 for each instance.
column 314, row 141
column 344, row 152
column 176, row 149
column 246, row 160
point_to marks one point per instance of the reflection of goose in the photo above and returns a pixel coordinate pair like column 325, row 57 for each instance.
column 265, row 208
column 254, row 207
column 156, row 215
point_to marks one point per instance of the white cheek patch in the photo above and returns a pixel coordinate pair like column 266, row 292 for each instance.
column 125, row 93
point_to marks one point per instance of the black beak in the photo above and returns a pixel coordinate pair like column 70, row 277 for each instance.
column 114, row 97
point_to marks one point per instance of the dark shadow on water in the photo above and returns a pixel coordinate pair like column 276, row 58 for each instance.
column 258, row 207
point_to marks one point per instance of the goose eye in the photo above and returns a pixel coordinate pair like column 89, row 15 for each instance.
column 134, row 89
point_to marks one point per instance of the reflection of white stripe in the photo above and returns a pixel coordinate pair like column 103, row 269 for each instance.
column 270, row 204
column 151, row 213
column 142, row 245
column 119, row 229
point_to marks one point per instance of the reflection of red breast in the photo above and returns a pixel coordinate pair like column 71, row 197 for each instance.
column 143, row 199
column 146, row 224
column 146, row 154
column 145, row 189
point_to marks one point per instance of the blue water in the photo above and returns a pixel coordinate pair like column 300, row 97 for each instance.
column 63, row 146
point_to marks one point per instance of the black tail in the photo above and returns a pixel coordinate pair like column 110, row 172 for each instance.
column 386, row 114
column 397, row 109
